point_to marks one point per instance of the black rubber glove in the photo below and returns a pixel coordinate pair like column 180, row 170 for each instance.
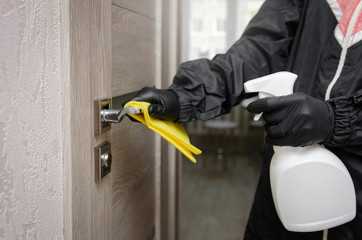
column 164, row 104
column 295, row 120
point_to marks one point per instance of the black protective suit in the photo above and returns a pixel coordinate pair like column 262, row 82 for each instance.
column 300, row 37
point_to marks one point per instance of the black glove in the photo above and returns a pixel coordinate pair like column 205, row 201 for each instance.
column 295, row 120
column 163, row 103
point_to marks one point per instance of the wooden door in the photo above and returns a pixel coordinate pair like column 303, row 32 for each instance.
column 133, row 146
column 111, row 49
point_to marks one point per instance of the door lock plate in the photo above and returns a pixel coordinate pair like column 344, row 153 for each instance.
column 103, row 160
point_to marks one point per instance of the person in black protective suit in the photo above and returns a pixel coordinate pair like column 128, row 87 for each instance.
column 319, row 40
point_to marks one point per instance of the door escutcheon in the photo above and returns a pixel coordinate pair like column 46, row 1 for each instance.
column 104, row 115
column 100, row 126
column 103, row 160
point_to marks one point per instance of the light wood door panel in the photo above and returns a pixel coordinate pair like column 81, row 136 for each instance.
column 133, row 201
column 143, row 7
column 133, row 51
column 86, row 63
column 133, row 145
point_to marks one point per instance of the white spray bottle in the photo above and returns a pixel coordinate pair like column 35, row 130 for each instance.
column 312, row 189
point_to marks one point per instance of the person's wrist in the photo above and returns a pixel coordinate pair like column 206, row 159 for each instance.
column 172, row 105
column 329, row 129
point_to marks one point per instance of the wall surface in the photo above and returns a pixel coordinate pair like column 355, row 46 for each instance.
column 31, row 168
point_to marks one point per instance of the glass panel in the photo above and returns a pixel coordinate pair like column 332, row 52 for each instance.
column 218, row 191
column 211, row 26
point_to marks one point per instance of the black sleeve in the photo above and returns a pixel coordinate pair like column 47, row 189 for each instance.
column 208, row 88
column 347, row 129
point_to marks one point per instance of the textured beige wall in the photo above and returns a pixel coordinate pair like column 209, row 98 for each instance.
column 31, row 168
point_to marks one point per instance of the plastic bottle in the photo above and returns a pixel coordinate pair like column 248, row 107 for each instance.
column 312, row 189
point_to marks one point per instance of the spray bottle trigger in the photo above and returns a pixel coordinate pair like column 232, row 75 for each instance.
column 257, row 116
column 261, row 95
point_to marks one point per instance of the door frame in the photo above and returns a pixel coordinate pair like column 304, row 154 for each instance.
column 170, row 180
column 86, row 76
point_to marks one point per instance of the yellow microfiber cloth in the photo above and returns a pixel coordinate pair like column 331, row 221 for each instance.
column 174, row 133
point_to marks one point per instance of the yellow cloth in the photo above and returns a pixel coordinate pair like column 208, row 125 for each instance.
column 174, row 133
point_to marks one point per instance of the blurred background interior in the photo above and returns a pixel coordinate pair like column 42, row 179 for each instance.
column 218, row 191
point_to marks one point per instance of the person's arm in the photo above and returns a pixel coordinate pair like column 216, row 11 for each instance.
column 203, row 89
column 300, row 120
column 208, row 88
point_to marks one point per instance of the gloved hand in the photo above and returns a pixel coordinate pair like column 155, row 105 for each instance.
column 164, row 104
column 295, row 120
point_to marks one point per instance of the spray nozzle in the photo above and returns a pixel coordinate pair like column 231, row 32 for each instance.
column 276, row 84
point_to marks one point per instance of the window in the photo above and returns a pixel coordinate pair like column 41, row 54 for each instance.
column 213, row 24
column 197, row 25
column 204, row 52
column 221, row 25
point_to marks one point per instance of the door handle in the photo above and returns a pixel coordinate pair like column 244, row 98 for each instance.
column 104, row 115
column 116, row 116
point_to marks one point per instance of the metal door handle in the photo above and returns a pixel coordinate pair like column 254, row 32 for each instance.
column 104, row 115
column 116, row 116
